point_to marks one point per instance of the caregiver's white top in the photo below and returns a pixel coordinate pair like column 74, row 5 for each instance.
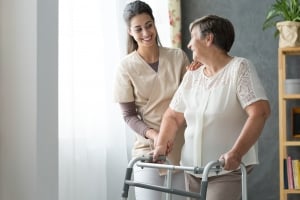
column 214, row 110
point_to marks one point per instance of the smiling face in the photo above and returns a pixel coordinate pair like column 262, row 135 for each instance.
column 197, row 44
column 143, row 30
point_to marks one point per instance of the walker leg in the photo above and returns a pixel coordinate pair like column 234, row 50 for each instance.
column 169, row 184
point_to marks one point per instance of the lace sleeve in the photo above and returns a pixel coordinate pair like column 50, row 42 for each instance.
column 249, row 87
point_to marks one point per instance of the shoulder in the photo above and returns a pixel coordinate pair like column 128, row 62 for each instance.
column 172, row 51
column 128, row 61
column 240, row 65
column 239, row 61
column 193, row 76
column 128, row 58
column 242, row 62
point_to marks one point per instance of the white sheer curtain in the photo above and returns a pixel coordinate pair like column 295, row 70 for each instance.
column 92, row 135
column 91, row 132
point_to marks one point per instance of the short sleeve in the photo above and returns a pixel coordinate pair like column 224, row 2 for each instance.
column 123, row 89
column 178, row 104
column 249, row 87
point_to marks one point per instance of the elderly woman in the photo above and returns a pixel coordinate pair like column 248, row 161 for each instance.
column 224, row 106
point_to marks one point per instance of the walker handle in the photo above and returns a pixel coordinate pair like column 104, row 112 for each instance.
column 149, row 158
column 222, row 162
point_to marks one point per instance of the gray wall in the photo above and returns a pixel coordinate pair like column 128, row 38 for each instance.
column 28, row 100
column 261, row 48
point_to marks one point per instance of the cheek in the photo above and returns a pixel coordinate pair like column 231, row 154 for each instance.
column 194, row 44
column 135, row 37
column 133, row 34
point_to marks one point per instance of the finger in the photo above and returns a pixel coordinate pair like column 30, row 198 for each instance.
column 222, row 162
column 154, row 155
column 190, row 66
column 194, row 65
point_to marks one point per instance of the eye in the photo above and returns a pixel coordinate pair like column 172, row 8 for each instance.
column 137, row 30
column 149, row 25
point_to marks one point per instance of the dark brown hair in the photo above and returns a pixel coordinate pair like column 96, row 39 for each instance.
column 221, row 28
column 132, row 9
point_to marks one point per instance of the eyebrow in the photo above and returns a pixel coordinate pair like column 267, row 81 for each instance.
column 138, row 26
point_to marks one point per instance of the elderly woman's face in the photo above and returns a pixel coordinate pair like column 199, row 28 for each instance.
column 196, row 44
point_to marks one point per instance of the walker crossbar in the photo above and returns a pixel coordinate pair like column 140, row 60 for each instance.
column 213, row 166
column 164, row 189
column 196, row 170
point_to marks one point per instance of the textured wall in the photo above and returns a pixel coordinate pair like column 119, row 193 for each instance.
column 261, row 48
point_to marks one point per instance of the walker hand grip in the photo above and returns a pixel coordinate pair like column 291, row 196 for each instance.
column 222, row 162
column 149, row 158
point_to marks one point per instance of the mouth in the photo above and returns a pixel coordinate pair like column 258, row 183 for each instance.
column 147, row 39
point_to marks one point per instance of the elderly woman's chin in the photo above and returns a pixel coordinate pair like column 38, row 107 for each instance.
column 195, row 58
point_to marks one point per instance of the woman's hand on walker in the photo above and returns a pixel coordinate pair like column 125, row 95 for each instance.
column 159, row 150
column 232, row 160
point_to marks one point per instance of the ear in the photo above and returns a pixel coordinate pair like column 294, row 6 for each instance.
column 129, row 31
column 209, row 39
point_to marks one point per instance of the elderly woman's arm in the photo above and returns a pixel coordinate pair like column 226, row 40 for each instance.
column 257, row 112
column 171, row 122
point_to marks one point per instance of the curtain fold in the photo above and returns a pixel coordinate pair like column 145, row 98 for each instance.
column 92, row 143
column 175, row 22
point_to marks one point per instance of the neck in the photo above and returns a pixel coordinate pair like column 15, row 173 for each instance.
column 217, row 63
column 150, row 55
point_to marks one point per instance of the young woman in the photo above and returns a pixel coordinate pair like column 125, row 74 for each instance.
column 145, row 83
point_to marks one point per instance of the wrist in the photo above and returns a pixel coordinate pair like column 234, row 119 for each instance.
column 236, row 154
column 150, row 133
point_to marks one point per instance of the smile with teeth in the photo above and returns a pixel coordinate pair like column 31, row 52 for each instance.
column 147, row 39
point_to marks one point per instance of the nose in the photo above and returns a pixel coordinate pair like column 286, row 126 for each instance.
column 189, row 45
column 145, row 32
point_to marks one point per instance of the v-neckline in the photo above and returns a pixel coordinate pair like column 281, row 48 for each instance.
column 149, row 66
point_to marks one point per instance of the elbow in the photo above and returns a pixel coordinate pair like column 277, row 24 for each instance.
column 259, row 110
column 267, row 111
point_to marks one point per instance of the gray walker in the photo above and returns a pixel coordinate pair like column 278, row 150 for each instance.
column 213, row 166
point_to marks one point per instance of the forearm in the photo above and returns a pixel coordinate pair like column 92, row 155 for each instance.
column 171, row 122
column 257, row 116
column 249, row 135
column 131, row 118
column 137, row 125
column 252, row 129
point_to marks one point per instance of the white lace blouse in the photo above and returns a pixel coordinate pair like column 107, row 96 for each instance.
column 214, row 110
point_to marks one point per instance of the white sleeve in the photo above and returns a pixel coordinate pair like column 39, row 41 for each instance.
column 249, row 87
column 178, row 104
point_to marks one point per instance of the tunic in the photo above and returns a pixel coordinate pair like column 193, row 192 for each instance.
column 214, row 111
column 151, row 91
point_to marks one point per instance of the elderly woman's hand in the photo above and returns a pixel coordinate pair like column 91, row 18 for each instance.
column 232, row 160
column 159, row 150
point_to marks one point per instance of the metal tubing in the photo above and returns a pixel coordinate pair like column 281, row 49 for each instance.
column 213, row 166
column 169, row 184
column 196, row 170
column 244, row 182
column 164, row 189
column 221, row 163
